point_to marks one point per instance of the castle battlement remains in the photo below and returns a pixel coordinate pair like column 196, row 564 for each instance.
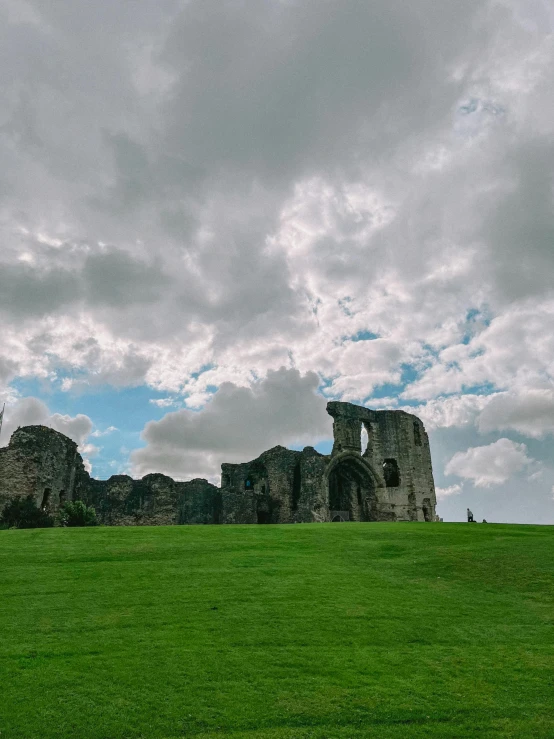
column 390, row 480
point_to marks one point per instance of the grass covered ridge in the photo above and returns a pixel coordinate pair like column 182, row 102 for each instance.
column 306, row 631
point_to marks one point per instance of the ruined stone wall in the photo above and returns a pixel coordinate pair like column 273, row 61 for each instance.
column 155, row 500
column 41, row 462
column 46, row 464
column 280, row 486
column 397, row 450
column 401, row 438
column 313, row 504
column 391, row 480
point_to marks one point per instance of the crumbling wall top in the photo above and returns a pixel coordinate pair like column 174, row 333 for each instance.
column 39, row 437
column 339, row 409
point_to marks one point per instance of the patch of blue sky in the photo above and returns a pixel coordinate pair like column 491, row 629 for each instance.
column 476, row 320
column 128, row 409
column 487, row 388
column 362, row 336
column 204, row 368
column 344, row 304
column 432, row 351
column 323, row 447
column 409, row 374
column 325, row 385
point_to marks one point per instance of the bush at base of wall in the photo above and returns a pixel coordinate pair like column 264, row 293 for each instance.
column 22, row 513
column 76, row 513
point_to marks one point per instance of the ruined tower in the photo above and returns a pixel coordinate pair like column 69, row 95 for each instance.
column 390, row 480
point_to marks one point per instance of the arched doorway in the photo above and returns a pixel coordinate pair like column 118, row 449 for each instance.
column 351, row 492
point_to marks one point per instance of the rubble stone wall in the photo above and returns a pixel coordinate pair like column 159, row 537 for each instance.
column 390, row 480
column 43, row 463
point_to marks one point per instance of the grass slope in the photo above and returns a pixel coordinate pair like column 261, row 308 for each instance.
column 306, row 631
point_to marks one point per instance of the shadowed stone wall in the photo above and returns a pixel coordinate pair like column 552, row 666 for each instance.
column 391, row 480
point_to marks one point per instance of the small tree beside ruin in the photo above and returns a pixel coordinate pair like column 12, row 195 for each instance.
column 77, row 513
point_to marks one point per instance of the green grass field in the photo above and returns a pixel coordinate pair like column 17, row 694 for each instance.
column 322, row 630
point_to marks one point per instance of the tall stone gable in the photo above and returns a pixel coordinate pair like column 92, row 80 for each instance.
column 391, row 479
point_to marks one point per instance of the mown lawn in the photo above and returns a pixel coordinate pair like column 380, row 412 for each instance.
column 305, row 631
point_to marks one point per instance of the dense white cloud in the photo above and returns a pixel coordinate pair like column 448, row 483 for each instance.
column 443, row 493
column 455, row 411
column 489, row 465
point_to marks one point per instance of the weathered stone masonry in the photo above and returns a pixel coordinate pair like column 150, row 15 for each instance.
column 391, row 480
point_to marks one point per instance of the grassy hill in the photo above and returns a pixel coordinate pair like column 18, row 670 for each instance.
column 306, row 631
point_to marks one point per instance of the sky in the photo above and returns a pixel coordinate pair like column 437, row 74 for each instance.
column 217, row 215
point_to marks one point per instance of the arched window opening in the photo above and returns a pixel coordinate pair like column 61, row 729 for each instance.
column 45, row 498
column 417, row 434
column 364, row 439
column 296, row 486
column 391, row 473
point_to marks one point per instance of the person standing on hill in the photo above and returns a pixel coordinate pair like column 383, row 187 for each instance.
column 469, row 516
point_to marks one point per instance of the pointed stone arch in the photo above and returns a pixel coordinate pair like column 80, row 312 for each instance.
column 362, row 462
column 352, row 484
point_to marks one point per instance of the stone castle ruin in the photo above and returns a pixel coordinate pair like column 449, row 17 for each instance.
column 391, row 480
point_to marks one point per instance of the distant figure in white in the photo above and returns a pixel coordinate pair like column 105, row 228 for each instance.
column 469, row 516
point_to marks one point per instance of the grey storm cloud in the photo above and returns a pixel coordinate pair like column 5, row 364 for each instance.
column 237, row 424
column 110, row 277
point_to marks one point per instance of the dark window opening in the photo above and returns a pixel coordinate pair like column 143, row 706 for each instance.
column 391, row 473
column 263, row 490
column 45, row 498
column 296, row 486
column 427, row 511
column 359, row 494
column 417, row 434
column 264, row 517
column 248, row 484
